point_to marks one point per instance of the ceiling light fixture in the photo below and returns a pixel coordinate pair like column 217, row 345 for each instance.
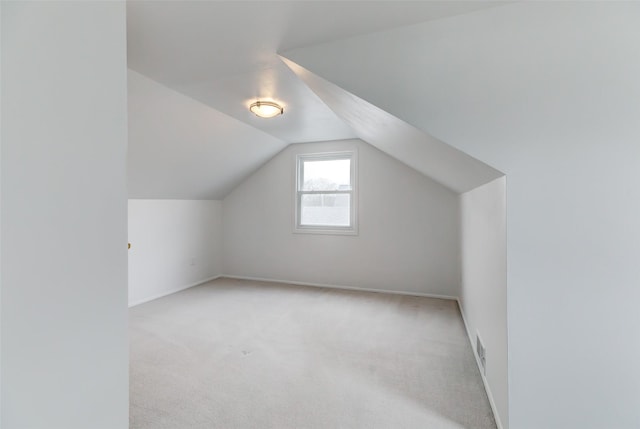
column 266, row 109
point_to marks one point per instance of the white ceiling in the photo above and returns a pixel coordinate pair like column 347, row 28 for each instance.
column 443, row 163
column 306, row 117
column 185, row 42
column 180, row 148
column 224, row 55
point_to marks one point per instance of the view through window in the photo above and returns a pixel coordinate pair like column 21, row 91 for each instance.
column 325, row 193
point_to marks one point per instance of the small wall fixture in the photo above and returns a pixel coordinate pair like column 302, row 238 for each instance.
column 266, row 109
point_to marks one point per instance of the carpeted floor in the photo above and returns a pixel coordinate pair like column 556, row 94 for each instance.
column 238, row 354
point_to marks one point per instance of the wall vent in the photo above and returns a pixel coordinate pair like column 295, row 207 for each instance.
column 482, row 357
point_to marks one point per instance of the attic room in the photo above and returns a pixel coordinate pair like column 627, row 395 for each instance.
column 213, row 198
column 438, row 227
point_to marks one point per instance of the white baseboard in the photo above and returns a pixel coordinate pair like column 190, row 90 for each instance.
column 361, row 289
column 485, row 382
column 171, row 291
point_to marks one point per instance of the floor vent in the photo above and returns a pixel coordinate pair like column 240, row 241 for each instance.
column 480, row 350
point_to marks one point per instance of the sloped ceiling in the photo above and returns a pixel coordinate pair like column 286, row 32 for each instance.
column 443, row 163
column 180, row 148
column 451, row 83
column 196, row 66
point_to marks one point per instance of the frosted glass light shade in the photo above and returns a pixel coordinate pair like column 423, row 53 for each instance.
column 266, row 109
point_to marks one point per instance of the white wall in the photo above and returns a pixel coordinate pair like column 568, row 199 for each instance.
column 483, row 293
column 64, row 230
column 174, row 244
column 408, row 228
column 1, row 134
column 547, row 92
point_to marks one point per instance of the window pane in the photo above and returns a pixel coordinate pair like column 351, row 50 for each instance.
column 329, row 175
column 325, row 210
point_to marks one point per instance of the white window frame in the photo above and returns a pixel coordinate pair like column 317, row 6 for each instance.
column 327, row 229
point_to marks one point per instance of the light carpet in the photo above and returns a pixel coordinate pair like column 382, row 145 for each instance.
column 239, row 354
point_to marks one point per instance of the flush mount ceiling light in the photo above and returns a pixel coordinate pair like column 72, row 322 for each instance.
column 266, row 109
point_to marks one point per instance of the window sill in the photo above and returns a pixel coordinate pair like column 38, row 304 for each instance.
column 325, row 231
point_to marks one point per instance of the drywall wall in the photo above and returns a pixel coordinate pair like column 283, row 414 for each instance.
column 1, row 133
column 64, row 215
column 548, row 93
column 174, row 244
column 408, row 228
column 483, row 292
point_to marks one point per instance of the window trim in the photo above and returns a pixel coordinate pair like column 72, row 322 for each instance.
column 326, row 229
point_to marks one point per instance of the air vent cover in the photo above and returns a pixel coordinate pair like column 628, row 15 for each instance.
column 480, row 350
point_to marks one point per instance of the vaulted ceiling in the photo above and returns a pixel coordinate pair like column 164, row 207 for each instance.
column 195, row 67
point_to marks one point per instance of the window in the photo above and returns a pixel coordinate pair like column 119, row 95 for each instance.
column 326, row 193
